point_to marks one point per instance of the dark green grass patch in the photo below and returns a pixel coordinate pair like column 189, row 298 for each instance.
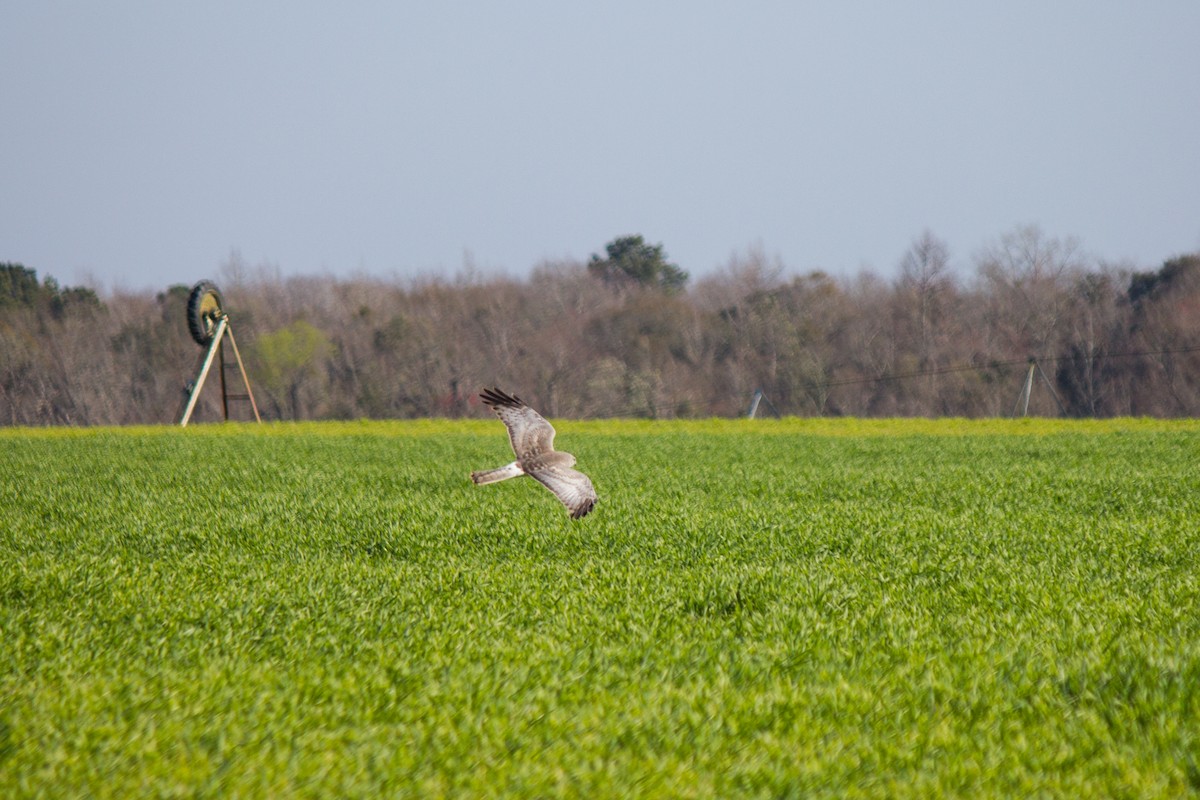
column 754, row 609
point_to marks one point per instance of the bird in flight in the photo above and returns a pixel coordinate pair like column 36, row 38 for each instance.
column 532, row 439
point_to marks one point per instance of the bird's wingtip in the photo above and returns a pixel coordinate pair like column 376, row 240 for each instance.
column 582, row 511
column 495, row 396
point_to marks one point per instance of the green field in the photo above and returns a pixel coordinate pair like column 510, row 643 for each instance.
column 756, row 608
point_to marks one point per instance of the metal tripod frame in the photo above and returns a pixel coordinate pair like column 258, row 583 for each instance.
column 221, row 331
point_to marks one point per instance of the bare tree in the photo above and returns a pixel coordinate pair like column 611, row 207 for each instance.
column 1115, row 340
column 1028, row 278
column 924, row 293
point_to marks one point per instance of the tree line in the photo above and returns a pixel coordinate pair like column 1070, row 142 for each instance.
column 630, row 334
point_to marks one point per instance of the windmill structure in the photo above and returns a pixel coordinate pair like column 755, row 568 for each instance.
column 209, row 325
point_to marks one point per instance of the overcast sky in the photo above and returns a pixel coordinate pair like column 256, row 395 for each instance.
column 143, row 142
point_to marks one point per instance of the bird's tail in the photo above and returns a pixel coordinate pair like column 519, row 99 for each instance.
column 497, row 474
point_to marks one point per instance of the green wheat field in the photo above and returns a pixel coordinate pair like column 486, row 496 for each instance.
column 793, row 608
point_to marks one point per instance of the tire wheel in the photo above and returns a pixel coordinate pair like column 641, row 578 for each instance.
column 203, row 311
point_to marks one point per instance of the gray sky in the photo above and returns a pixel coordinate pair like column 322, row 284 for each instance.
column 144, row 141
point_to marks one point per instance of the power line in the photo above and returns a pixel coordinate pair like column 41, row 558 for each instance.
column 991, row 365
column 995, row 365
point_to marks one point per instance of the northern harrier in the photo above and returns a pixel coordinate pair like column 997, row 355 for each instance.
column 532, row 440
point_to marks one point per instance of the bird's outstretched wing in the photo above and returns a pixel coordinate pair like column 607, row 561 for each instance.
column 528, row 431
column 571, row 486
column 532, row 439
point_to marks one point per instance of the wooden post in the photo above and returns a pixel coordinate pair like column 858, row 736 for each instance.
column 1061, row 408
column 1023, row 397
column 224, row 389
column 754, row 403
column 208, row 359
column 245, row 380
